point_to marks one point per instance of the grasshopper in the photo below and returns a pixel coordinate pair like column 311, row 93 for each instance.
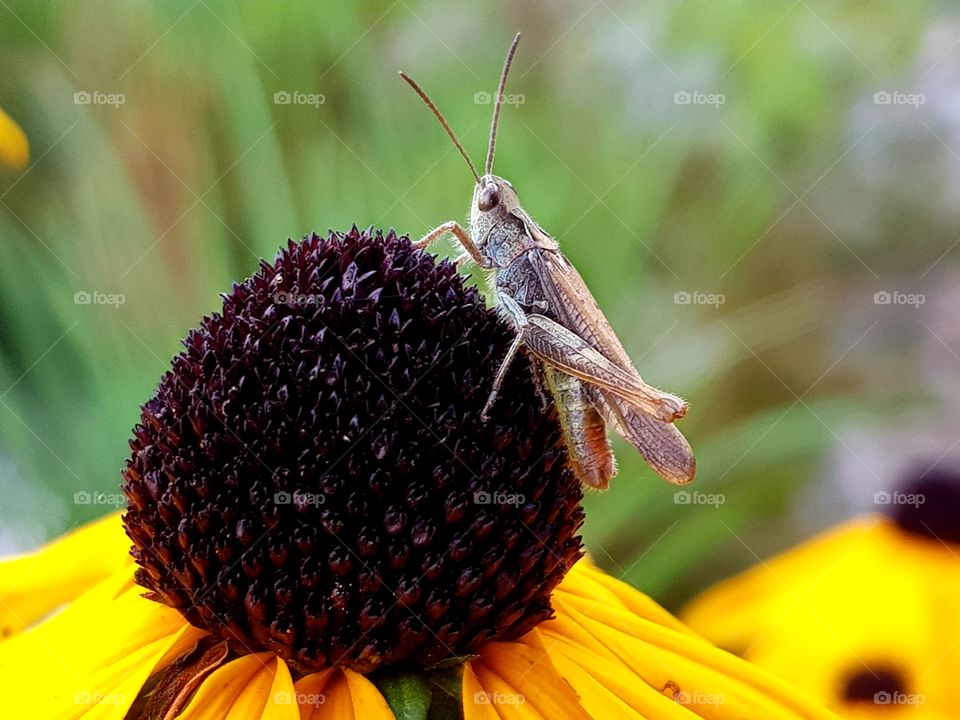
column 567, row 338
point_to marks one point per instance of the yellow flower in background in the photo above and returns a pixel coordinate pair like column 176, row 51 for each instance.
column 610, row 652
column 863, row 617
column 14, row 148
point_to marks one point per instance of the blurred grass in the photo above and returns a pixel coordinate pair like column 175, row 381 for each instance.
column 174, row 194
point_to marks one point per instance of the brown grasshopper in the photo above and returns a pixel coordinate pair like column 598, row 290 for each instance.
column 557, row 320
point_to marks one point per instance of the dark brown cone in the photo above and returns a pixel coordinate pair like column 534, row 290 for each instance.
column 313, row 476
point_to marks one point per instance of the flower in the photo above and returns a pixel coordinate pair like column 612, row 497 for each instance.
column 862, row 616
column 609, row 652
column 323, row 526
column 14, row 148
column 313, row 475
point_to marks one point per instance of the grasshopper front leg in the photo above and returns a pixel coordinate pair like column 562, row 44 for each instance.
column 462, row 236
column 516, row 314
column 501, row 373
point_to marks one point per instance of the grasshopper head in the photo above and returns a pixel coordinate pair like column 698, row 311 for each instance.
column 493, row 199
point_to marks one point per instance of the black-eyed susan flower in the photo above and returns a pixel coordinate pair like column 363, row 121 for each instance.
column 863, row 617
column 14, row 148
column 324, row 527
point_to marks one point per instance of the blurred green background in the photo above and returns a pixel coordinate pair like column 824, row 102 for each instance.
column 761, row 195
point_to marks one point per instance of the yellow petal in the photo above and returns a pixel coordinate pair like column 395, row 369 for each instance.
column 862, row 596
column 32, row 585
column 508, row 702
column 735, row 611
column 340, row 694
column 476, row 705
column 519, row 680
column 310, row 695
column 249, row 688
column 281, row 699
column 587, row 580
column 608, row 690
column 367, row 700
column 665, row 658
column 93, row 657
column 338, row 705
column 14, row 148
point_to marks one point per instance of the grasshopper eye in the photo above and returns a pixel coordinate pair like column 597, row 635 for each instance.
column 489, row 198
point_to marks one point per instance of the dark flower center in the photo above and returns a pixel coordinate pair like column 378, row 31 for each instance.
column 928, row 505
column 880, row 686
column 313, row 476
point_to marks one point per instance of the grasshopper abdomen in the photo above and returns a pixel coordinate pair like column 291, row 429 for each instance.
column 588, row 447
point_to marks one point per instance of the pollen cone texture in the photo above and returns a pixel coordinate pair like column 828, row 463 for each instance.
column 313, row 476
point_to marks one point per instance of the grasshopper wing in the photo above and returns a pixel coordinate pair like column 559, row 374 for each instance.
column 553, row 343
column 574, row 307
column 662, row 446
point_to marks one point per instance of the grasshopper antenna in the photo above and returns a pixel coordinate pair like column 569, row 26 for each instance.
column 488, row 167
column 443, row 121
